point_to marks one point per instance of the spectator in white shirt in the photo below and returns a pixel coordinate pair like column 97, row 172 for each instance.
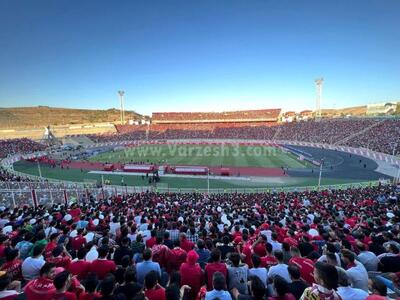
column 356, row 272
column 280, row 269
column 74, row 232
column 114, row 226
column 137, row 219
column 92, row 254
column 146, row 234
column 310, row 218
column 32, row 265
column 346, row 291
column 89, row 236
column 367, row 258
column 143, row 224
column 132, row 235
column 258, row 271
column 329, row 255
column 51, row 229
column 276, row 246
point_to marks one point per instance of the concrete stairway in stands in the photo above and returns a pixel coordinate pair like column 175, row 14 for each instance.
column 366, row 129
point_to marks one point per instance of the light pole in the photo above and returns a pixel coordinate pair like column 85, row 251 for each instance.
column 320, row 173
column 121, row 97
column 319, row 83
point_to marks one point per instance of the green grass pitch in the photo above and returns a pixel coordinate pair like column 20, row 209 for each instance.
column 205, row 155
column 232, row 156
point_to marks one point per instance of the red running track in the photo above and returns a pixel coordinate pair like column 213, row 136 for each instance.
column 234, row 171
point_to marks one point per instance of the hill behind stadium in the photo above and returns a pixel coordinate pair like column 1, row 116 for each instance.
column 23, row 117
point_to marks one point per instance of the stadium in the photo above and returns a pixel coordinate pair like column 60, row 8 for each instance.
column 229, row 151
column 199, row 150
column 212, row 165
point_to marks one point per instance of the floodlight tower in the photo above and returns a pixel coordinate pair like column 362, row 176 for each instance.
column 319, row 83
column 121, row 97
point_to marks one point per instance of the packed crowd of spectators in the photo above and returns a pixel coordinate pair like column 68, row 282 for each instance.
column 326, row 131
column 262, row 114
column 121, row 129
column 24, row 145
column 180, row 134
column 8, row 176
column 160, row 128
column 385, row 137
column 331, row 244
column 375, row 134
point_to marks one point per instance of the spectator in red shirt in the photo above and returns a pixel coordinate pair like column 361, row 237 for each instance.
column 268, row 260
column 13, row 264
column 80, row 267
column 306, row 265
column 160, row 252
column 237, row 232
column 60, row 257
column 75, row 212
column 62, row 282
column 78, row 241
column 152, row 240
column 176, row 257
column 51, row 245
column 259, row 246
column 185, row 244
column 43, row 287
column 246, row 250
column 215, row 266
column 192, row 274
column 153, row 291
column 290, row 239
column 102, row 266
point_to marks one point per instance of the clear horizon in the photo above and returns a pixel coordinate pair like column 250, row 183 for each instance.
column 198, row 56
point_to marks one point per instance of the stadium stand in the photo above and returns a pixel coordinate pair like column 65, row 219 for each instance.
column 291, row 245
column 155, row 245
column 377, row 134
column 262, row 115
column 385, row 137
column 22, row 146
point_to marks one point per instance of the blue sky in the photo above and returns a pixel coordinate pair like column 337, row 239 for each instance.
column 203, row 55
